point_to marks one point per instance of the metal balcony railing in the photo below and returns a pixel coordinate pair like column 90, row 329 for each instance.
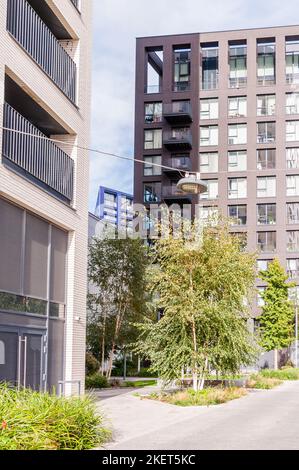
column 36, row 156
column 180, row 163
column 40, row 43
column 177, row 138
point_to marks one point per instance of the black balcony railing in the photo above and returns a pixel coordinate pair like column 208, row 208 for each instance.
column 30, row 152
column 177, row 139
column 40, row 43
column 178, row 112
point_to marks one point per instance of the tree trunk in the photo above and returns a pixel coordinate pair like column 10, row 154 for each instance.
column 103, row 345
column 139, row 365
column 275, row 359
column 195, row 381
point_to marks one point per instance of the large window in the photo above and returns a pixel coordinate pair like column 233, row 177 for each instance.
column 238, row 214
column 293, row 185
column 266, row 159
column 266, row 214
column 212, row 191
column 153, row 112
column 182, row 69
column 293, row 212
column 237, row 106
column 265, row 132
column 152, row 139
column 263, row 264
column 266, row 105
column 292, row 155
column 208, row 213
column 292, row 241
column 237, row 64
column 293, row 268
column 292, row 103
column 292, row 60
column 209, row 108
column 266, row 242
column 25, row 286
column 266, row 186
column 292, row 131
column 237, row 188
column 150, row 168
column 210, row 66
column 265, row 62
column 237, row 161
column 209, row 162
column 208, row 135
column 260, row 299
column 152, row 192
column 237, row 134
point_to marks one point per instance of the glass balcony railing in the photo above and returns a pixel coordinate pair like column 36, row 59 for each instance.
column 178, row 139
column 30, row 152
column 39, row 42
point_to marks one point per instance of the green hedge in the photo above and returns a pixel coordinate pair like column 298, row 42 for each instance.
column 96, row 381
column 35, row 421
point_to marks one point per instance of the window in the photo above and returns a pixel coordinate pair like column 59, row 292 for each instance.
column 292, row 103
column 152, row 192
column 181, row 161
column 293, row 212
column 237, row 134
column 266, row 214
column 238, row 214
column 209, row 162
column 210, row 66
column 237, row 188
column 265, row 132
column 208, row 212
column 152, row 170
column 292, row 60
column 292, row 241
column 266, row 159
column 209, row 108
column 266, row 105
column 153, row 112
column 237, row 161
column 293, row 267
column 263, row 264
column 265, row 62
column 152, row 139
column 266, row 186
column 292, row 131
column 292, row 155
column 208, row 135
column 260, row 300
column 212, row 192
column 293, row 185
column 242, row 239
column 237, row 106
column 266, row 242
column 154, row 70
column 237, row 64
column 182, row 69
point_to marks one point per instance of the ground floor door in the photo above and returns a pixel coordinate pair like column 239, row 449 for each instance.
column 22, row 357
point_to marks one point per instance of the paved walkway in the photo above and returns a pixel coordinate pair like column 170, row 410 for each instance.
column 265, row 419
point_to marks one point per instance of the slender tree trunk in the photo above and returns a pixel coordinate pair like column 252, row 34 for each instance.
column 275, row 359
column 202, row 378
column 103, row 345
column 118, row 324
column 139, row 365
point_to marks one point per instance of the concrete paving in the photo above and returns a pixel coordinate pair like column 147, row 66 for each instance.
column 264, row 419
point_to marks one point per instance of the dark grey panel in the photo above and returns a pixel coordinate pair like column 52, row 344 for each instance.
column 59, row 243
column 55, row 353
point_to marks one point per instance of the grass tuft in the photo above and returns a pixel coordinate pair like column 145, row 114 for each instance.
column 33, row 421
column 287, row 373
column 258, row 381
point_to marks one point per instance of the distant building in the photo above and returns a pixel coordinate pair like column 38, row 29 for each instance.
column 115, row 207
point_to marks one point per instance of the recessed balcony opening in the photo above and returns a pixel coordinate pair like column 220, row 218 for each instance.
column 178, row 138
column 177, row 162
column 237, row 64
column 154, row 72
column 182, row 68
column 172, row 194
column 178, row 112
column 210, row 65
column 25, row 148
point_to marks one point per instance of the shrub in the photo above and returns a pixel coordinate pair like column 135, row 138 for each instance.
column 92, row 365
column 96, row 381
column 206, row 397
column 260, row 382
column 282, row 374
column 34, row 421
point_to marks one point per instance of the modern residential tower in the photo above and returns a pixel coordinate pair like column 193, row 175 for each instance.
column 225, row 104
column 115, row 208
column 44, row 93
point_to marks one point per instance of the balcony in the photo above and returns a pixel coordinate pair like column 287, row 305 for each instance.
column 177, row 163
column 34, row 36
column 178, row 112
column 172, row 193
column 177, row 139
column 35, row 157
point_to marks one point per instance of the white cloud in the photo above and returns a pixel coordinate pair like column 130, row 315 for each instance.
column 116, row 25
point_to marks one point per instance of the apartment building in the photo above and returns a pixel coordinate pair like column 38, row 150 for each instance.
column 44, row 93
column 225, row 104
column 115, row 208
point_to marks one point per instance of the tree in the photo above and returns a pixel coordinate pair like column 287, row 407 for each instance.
column 117, row 298
column 277, row 318
column 202, row 287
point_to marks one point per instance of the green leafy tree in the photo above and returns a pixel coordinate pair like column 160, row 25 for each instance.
column 202, row 286
column 277, row 318
column 117, row 297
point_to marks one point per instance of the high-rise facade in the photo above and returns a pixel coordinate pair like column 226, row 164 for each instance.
column 44, row 93
column 115, row 208
column 225, row 104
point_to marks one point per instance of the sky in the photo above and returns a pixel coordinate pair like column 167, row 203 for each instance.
column 116, row 24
